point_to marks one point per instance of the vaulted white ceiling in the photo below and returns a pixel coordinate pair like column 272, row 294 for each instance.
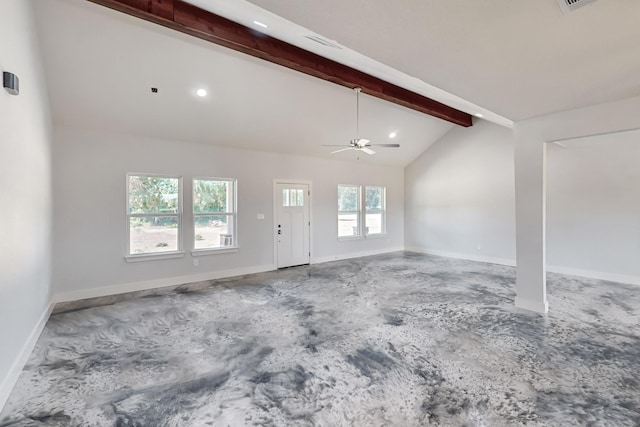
column 512, row 60
column 519, row 59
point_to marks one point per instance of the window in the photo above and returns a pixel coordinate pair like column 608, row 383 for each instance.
column 374, row 208
column 214, row 213
column 154, row 214
column 349, row 211
column 292, row 197
column 351, row 216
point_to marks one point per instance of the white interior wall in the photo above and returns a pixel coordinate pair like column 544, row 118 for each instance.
column 460, row 196
column 25, row 194
column 90, row 170
column 593, row 206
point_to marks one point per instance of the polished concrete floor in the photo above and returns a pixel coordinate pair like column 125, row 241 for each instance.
column 402, row 339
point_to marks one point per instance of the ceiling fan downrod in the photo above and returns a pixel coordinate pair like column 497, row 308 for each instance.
column 358, row 90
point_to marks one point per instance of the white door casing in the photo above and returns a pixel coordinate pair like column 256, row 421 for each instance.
column 292, row 224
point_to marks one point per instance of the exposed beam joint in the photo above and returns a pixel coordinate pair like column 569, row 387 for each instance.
column 189, row 19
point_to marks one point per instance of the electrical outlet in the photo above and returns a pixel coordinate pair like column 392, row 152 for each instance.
column 195, row 262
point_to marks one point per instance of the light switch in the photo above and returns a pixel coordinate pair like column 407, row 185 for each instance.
column 260, row 216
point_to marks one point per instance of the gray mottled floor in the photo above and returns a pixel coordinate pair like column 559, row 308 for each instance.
column 401, row 339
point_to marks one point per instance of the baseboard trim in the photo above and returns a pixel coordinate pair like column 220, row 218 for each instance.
column 458, row 255
column 18, row 365
column 619, row 278
column 319, row 260
column 158, row 283
column 589, row 274
column 211, row 275
column 541, row 307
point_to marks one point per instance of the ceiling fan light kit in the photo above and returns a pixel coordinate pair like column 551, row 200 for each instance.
column 360, row 144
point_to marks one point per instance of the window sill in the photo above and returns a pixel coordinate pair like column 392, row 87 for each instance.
column 347, row 238
column 204, row 252
column 376, row 236
column 154, row 257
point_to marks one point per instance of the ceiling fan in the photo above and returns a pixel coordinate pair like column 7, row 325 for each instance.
column 360, row 144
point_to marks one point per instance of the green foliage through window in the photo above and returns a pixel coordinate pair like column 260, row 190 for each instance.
column 353, row 221
column 149, row 194
column 348, row 198
column 374, row 198
column 154, row 214
column 211, row 196
column 214, row 213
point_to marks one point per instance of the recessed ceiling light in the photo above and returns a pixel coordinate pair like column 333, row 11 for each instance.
column 478, row 115
column 393, row 135
column 201, row 92
column 260, row 24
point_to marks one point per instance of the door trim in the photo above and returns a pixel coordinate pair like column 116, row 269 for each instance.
column 277, row 181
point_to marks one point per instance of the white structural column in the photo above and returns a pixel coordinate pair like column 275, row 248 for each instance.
column 531, row 137
column 531, row 283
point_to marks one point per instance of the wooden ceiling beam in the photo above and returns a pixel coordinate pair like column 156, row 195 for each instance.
column 189, row 19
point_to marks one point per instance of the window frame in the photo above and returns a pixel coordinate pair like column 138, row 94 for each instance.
column 149, row 256
column 358, row 212
column 382, row 212
column 361, row 213
column 233, row 214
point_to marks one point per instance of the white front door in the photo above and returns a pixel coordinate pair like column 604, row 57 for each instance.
column 292, row 224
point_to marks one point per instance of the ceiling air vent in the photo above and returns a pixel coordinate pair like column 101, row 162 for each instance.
column 323, row 41
column 571, row 5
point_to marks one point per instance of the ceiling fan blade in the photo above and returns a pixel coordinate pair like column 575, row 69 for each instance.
column 332, row 145
column 385, row 145
column 342, row 149
column 361, row 142
column 368, row 150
